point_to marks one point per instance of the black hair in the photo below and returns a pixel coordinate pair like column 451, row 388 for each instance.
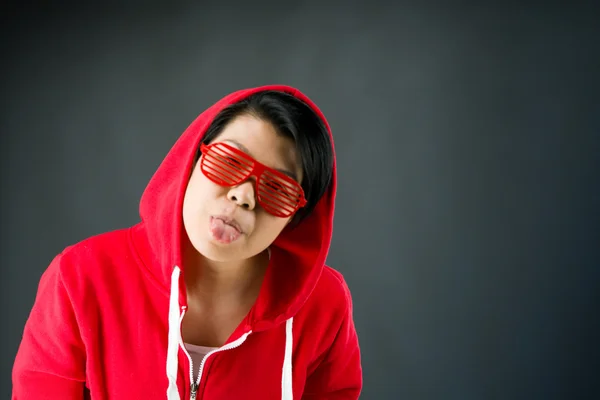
column 294, row 119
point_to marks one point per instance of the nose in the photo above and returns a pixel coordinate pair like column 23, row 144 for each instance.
column 243, row 195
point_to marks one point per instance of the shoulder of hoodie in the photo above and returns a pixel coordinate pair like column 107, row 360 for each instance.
column 326, row 312
column 331, row 295
column 95, row 257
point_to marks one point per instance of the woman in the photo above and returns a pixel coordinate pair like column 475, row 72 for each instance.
column 221, row 291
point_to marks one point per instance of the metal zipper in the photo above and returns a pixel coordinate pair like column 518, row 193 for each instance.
column 195, row 385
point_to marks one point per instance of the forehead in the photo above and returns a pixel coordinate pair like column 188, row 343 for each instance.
column 261, row 141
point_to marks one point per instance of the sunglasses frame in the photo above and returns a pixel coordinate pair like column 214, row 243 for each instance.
column 257, row 171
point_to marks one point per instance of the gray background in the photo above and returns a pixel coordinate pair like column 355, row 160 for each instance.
column 467, row 222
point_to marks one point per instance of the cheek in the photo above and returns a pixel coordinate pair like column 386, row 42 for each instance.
column 195, row 195
column 269, row 227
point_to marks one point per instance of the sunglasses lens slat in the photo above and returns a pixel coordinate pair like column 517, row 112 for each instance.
column 241, row 160
column 288, row 188
column 219, row 176
column 277, row 209
column 277, row 195
column 227, row 171
column 230, row 167
column 274, row 200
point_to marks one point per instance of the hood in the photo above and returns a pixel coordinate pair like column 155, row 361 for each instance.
column 297, row 255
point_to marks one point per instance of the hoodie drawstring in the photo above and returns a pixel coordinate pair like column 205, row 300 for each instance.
column 286, row 374
column 173, row 346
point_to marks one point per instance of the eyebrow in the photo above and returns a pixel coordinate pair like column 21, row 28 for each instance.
column 245, row 150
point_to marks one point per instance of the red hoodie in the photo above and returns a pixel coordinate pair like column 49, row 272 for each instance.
column 106, row 323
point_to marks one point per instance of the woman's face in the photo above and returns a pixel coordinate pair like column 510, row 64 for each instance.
column 227, row 223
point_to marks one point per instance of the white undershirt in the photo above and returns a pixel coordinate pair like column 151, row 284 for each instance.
column 197, row 353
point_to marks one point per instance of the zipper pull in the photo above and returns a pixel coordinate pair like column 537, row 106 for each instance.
column 194, row 391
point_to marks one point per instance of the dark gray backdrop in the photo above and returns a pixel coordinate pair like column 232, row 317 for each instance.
column 467, row 222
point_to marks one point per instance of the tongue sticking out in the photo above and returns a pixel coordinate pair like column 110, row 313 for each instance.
column 222, row 232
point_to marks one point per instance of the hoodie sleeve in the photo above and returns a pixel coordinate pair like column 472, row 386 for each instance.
column 50, row 362
column 339, row 376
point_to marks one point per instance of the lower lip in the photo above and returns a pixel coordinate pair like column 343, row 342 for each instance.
column 222, row 232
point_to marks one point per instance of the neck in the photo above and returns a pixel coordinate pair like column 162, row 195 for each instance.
column 214, row 282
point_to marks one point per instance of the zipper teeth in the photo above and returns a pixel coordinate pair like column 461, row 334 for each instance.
column 228, row 346
column 183, row 309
